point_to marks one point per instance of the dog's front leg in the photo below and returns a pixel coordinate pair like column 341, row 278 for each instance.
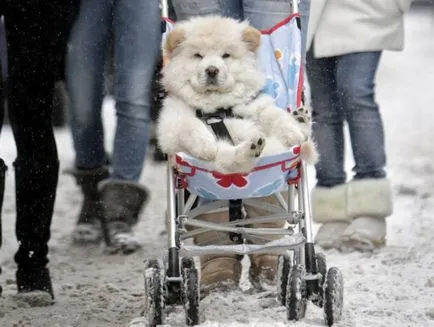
column 240, row 158
column 282, row 124
column 197, row 140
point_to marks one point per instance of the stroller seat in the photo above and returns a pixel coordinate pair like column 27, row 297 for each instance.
column 270, row 175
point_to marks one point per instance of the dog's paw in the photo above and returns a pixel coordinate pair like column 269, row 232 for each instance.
column 256, row 147
column 302, row 115
column 245, row 155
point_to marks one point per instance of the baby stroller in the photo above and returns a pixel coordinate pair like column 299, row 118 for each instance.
column 302, row 274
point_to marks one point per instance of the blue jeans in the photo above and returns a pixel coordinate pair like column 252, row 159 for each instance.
column 136, row 31
column 262, row 14
column 342, row 89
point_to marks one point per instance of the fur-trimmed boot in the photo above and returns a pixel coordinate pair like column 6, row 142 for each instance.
column 369, row 203
column 217, row 272
column 88, row 227
column 329, row 208
column 122, row 203
column 263, row 266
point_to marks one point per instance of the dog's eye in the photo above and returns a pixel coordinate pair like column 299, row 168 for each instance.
column 198, row 55
column 226, row 55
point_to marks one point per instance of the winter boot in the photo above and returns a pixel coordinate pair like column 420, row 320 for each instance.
column 263, row 267
column 369, row 203
column 122, row 203
column 34, row 286
column 88, row 227
column 217, row 272
column 329, row 207
column 35, row 184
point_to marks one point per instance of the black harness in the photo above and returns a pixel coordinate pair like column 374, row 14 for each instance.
column 216, row 121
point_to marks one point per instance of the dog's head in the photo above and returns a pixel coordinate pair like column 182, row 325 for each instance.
column 212, row 62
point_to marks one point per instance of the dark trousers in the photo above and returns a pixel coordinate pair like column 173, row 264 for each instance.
column 36, row 33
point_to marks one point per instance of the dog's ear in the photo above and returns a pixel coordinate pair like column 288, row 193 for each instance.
column 173, row 39
column 252, row 37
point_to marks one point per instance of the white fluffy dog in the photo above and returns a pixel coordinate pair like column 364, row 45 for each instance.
column 213, row 65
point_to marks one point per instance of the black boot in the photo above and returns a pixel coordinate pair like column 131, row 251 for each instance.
column 35, row 185
column 88, row 229
column 122, row 203
column 33, row 284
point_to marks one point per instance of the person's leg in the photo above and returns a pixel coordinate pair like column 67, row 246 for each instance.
column 135, row 58
column 185, row 9
column 329, row 196
column 264, row 14
column 263, row 266
column 304, row 9
column 328, row 120
column 85, row 66
column 85, row 81
column 369, row 194
column 36, row 35
column 222, row 271
column 232, row 8
column 355, row 75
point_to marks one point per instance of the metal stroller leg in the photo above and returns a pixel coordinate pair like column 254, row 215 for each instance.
column 173, row 269
column 310, row 260
column 324, row 287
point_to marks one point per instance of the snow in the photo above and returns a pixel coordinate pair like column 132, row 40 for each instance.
column 391, row 287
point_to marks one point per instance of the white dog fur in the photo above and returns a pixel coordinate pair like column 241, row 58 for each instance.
column 227, row 48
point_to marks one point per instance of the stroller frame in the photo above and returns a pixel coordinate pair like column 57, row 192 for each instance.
column 302, row 274
column 175, row 280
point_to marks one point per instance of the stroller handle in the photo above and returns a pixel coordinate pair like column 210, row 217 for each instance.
column 164, row 8
column 294, row 8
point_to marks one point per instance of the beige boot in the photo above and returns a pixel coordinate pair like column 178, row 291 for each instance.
column 263, row 267
column 329, row 207
column 329, row 235
column 218, row 272
column 369, row 203
column 262, row 272
column 365, row 234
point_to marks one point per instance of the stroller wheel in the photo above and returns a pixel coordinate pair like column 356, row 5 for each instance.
column 321, row 265
column 283, row 269
column 333, row 296
column 191, row 295
column 296, row 293
column 154, row 303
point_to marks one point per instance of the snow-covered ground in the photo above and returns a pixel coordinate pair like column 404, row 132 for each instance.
column 392, row 287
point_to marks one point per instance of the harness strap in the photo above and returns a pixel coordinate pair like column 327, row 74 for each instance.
column 216, row 121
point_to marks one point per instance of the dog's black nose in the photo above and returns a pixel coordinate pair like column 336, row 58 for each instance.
column 212, row 71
